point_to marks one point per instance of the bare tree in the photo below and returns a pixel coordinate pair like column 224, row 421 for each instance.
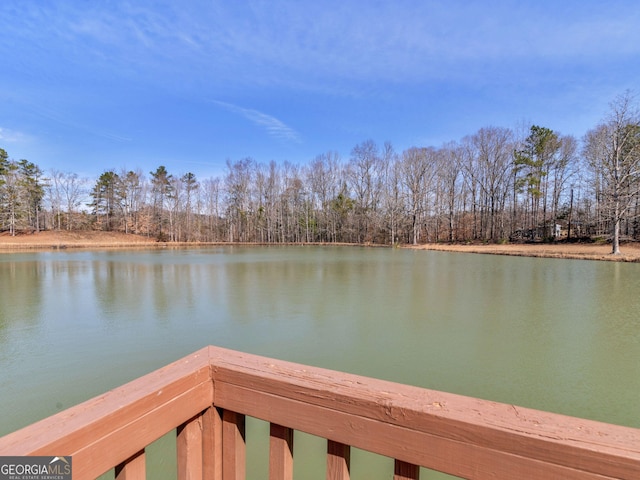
column 392, row 197
column 191, row 186
column 449, row 177
column 563, row 171
column 272, row 193
column 73, row 189
column 130, row 189
column 212, row 203
column 176, row 207
column 323, row 180
column 487, row 171
column 54, row 195
column 238, row 183
column 417, row 169
column 364, row 171
column 613, row 152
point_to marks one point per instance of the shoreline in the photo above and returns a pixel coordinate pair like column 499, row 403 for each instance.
column 576, row 251
column 53, row 240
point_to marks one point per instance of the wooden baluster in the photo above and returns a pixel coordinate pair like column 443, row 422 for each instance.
column 405, row 471
column 189, row 449
column 338, row 460
column 233, row 446
column 280, row 453
column 133, row 468
column 212, row 444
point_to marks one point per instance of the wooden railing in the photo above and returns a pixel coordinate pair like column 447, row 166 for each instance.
column 206, row 396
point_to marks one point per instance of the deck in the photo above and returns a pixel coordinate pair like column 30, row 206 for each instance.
column 206, row 396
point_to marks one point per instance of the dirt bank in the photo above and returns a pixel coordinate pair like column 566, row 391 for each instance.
column 71, row 239
column 583, row 251
column 47, row 240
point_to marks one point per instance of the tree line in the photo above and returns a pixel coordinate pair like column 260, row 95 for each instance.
column 494, row 185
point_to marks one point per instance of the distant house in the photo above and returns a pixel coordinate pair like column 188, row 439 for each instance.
column 557, row 230
column 533, row 234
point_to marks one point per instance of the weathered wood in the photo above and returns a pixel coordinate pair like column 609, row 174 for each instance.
column 338, row 460
column 134, row 468
column 436, row 429
column 280, row 452
column 233, row 446
column 189, row 449
column 466, row 437
column 212, row 444
column 405, row 471
column 106, row 430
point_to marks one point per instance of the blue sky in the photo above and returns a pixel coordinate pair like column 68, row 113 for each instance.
column 87, row 86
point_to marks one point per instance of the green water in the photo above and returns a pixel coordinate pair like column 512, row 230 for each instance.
column 557, row 335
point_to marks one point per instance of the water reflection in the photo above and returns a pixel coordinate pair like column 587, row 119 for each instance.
column 560, row 335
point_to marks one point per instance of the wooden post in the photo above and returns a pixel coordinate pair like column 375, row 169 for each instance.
column 212, row 444
column 189, row 449
column 280, row 453
column 405, row 471
column 233, row 446
column 134, row 468
column 338, row 460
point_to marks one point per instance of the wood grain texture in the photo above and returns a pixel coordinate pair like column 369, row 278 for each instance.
column 212, row 444
column 134, row 468
column 233, row 446
column 464, row 436
column 106, row 430
column 206, row 396
column 189, row 449
column 338, row 461
column 280, row 452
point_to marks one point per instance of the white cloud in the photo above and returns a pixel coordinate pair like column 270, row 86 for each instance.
column 11, row 136
column 274, row 127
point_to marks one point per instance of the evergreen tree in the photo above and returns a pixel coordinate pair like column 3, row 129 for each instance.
column 534, row 162
column 161, row 191
column 104, row 195
column 33, row 185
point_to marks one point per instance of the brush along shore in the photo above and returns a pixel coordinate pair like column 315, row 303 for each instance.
column 53, row 239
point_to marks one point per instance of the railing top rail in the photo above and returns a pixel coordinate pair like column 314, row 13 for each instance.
column 445, row 421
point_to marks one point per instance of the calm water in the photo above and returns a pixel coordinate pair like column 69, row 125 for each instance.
column 558, row 335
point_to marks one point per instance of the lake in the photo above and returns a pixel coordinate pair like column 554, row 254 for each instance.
column 551, row 334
